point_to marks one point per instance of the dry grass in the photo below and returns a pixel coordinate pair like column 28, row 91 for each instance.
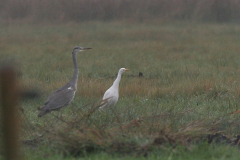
column 143, row 87
column 83, row 134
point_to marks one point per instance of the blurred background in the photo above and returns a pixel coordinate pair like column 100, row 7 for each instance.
column 107, row 10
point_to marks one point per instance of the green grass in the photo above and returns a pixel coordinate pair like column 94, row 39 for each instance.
column 186, row 66
column 198, row 152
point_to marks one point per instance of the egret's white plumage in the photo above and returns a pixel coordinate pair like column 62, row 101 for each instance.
column 110, row 97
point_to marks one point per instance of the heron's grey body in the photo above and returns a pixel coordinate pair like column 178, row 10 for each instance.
column 64, row 95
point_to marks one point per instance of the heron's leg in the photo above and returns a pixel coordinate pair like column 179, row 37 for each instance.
column 58, row 114
column 61, row 114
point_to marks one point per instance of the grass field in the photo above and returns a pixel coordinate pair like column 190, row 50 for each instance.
column 190, row 84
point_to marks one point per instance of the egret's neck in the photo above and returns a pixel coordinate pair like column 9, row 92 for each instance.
column 117, row 81
column 75, row 74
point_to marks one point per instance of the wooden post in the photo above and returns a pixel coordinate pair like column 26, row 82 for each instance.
column 10, row 120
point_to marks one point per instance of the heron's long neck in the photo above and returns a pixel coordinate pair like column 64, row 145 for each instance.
column 75, row 74
column 117, row 81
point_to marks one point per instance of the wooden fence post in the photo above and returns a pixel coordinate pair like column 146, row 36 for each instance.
column 10, row 119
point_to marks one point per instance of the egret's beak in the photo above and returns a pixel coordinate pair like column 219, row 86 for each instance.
column 86, row 49
column 127, row 70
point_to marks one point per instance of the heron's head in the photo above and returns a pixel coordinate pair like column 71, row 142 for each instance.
column 122, row 70
column 80, row 49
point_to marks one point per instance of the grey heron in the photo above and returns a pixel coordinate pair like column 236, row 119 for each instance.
column 64, row 95
column 110, row 97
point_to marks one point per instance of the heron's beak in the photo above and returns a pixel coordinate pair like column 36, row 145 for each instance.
column 127, row 70
column 86, row 48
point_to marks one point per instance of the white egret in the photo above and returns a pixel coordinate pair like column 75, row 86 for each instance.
column 110, row 97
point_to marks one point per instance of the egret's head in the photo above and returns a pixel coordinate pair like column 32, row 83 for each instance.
column 122, row 70
column 79, row 49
